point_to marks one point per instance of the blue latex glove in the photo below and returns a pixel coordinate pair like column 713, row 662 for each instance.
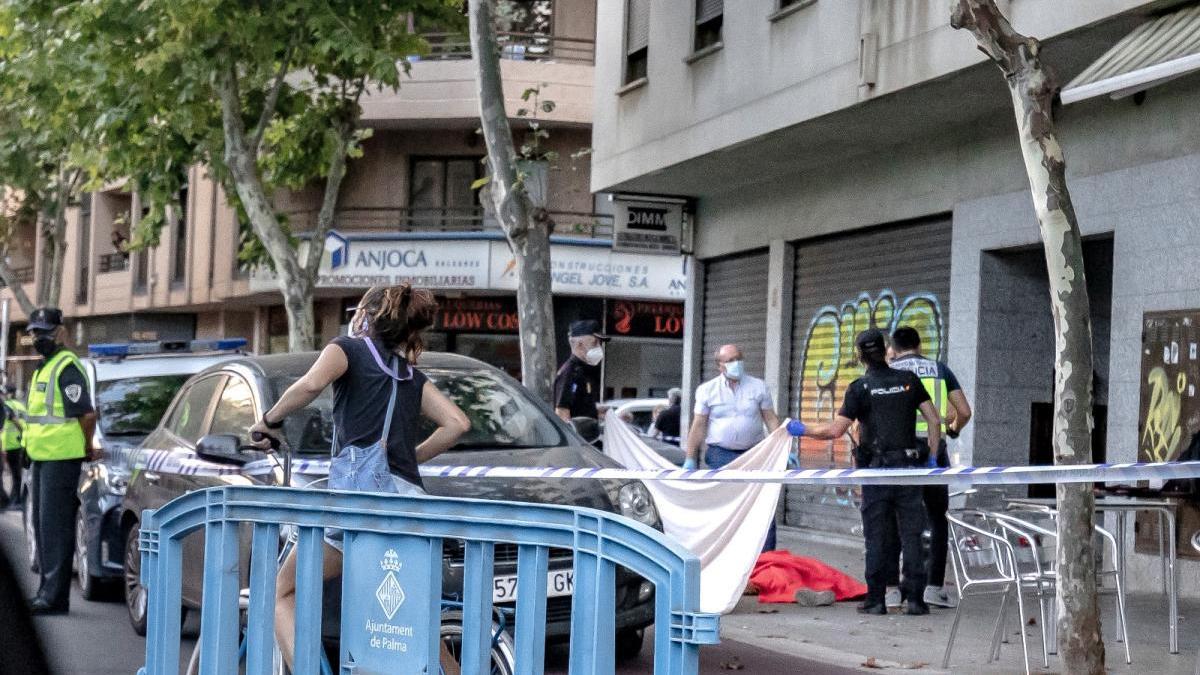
column 689, row 464
column 796, row 427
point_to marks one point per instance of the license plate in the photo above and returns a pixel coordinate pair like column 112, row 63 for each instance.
column 558, row 583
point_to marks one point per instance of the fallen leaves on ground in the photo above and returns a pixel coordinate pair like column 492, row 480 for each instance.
column 732, row 664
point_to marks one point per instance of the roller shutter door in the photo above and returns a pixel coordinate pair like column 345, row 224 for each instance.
column 735, row 309
column 882, row 278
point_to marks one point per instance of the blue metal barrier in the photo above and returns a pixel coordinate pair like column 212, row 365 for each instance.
column 392, row 580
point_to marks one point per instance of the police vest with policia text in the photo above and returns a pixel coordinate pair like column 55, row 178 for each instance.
column 49, row 434
column 13, row 434
column 929, row 373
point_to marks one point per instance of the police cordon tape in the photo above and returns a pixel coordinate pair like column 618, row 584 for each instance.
column 168, row 462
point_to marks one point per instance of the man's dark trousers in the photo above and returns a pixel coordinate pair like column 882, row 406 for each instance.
column 888, row 511
column 937, row 503
column 716, row 457
column 53, row 489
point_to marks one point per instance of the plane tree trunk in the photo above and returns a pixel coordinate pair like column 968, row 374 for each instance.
column 1033, row 89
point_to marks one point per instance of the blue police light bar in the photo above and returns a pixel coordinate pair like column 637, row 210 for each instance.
column 222, row 345
column 123, row 349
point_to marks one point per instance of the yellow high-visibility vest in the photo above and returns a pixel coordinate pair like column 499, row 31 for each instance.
column 931, row 377
column 49, row 434
column 12, row 433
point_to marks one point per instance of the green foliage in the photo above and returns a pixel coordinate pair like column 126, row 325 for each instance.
column 128, row 88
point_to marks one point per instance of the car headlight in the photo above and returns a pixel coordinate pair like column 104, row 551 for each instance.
column 115, row 481
column 636, row 503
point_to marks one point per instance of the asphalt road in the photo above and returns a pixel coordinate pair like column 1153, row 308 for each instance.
column 96, row 639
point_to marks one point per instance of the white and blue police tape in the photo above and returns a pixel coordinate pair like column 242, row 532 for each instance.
column 169, row 462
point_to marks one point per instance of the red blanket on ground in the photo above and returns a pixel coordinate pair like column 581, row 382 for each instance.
column 778, row 575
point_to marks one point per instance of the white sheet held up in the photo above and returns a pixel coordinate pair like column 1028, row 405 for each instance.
column 724, row 524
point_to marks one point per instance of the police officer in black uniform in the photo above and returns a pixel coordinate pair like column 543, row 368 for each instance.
column 884, row 402
column 577, row 384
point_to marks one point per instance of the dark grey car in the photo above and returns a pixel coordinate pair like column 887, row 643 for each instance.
column 508, row 428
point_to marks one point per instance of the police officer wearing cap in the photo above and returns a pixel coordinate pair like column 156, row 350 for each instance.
column 884, row 402
column 12, row 439
column 59, row 428
column 577, row 384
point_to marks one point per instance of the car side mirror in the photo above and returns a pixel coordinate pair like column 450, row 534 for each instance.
column 225, row 449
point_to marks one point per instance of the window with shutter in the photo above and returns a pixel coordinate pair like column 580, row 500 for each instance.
column 637, row 39
column 709, row 15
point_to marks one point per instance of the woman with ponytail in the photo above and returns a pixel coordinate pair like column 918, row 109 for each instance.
column 378, row 397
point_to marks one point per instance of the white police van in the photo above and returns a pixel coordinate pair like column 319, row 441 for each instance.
column 131, row 386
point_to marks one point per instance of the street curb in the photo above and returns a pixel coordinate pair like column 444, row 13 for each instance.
column 784, row 645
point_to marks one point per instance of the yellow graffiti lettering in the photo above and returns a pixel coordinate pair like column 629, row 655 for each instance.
column 1162, row 433
column 829, row 362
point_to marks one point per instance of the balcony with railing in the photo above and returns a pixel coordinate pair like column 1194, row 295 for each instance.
column 21, row 275
column 514, row 47
column 441, row 83
column 446, row 220
column 113, row 262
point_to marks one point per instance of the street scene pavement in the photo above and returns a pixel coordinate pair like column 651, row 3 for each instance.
column 599, row 308
column 96, row 639
column 755, row 638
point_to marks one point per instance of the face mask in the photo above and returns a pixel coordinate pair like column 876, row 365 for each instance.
column 45, row 345
column 594, row 356
column 733, row 370
column 361, row 331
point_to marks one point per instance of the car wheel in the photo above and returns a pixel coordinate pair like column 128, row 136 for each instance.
column 629, row 643
column 92, row 588
column 135, row 593
column 30, row 540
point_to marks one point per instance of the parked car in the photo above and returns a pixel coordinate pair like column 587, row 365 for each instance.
column 508, row 428
column 639, row 413
column 131, row 386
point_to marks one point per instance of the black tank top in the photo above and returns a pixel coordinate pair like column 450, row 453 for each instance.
column 360, row 398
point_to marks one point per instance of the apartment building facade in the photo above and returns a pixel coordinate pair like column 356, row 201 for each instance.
column 407, row 211
column 855, row 164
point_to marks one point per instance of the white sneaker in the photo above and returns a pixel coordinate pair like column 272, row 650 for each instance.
column 938, row 597
column 892, row 598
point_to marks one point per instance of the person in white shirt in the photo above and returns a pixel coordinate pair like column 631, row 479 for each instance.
column 729, row 416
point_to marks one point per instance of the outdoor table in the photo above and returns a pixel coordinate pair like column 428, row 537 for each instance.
column 1123, row 507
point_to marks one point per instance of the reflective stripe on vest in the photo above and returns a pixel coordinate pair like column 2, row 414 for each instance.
column 49, row 434
column 12, row 433
column 930, row 375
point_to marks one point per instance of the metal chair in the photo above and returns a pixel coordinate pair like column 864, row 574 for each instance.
column 1036, row 570
column 984, row 564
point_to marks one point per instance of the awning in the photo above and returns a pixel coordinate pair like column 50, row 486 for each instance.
column 1155, row 52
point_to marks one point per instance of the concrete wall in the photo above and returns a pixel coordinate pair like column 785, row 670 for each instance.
column 1015, row 347
column 1152, row 211
column 806, row 65
column 446, row 90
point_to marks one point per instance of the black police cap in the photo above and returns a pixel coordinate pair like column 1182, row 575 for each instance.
column 871, row 341
column 45, row 318
column 584, row 328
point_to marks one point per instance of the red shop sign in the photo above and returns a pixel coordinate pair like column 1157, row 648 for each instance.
column 635, row 318
column 477, row 315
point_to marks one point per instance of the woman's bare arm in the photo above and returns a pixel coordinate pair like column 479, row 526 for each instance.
column 330, row 365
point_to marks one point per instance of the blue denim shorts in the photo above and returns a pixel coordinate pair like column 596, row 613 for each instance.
column 364, row 470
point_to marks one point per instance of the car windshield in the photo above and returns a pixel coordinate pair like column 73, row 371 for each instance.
column 133, row 406
column 502, row 414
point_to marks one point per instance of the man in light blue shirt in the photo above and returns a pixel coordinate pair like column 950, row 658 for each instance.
column 729, row 416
